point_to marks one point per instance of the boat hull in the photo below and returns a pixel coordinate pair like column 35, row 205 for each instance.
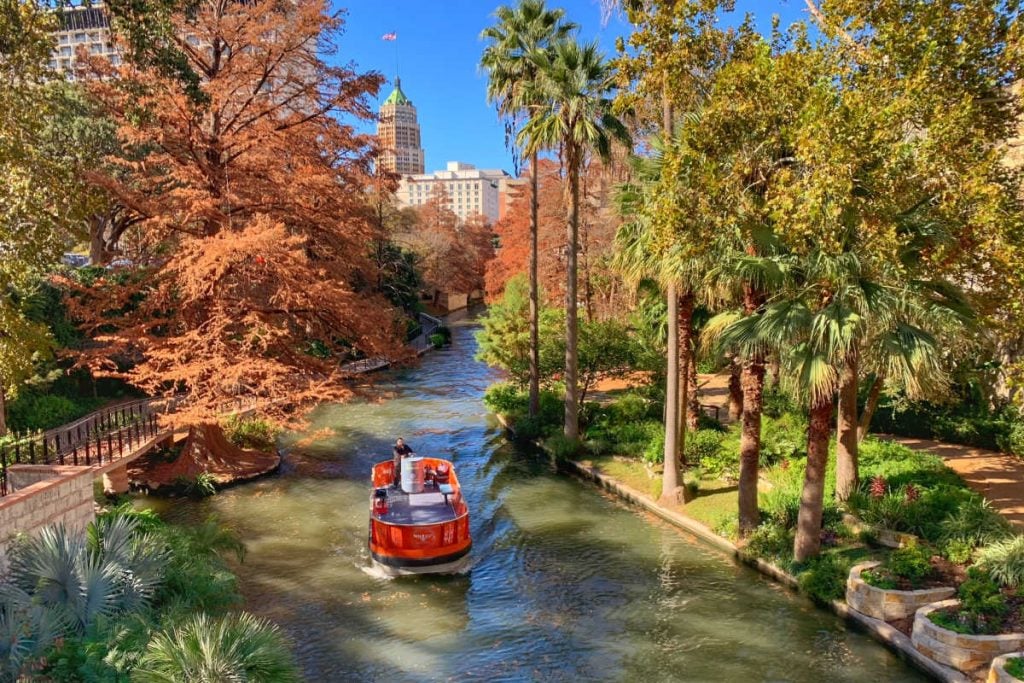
column 453, row 563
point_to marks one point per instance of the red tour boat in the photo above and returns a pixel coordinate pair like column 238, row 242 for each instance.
column 423, row 526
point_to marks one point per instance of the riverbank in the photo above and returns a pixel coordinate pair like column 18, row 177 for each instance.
column 880, row 631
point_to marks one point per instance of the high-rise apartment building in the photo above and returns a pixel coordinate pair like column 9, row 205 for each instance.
column 470, row 191
column 399, row 133
column 82, row 26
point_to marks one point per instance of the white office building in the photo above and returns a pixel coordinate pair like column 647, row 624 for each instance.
column 82, row 26
column 471, row 191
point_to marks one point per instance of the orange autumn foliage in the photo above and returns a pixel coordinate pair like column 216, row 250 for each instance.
column 453, row 254
column 256, row 227
column 601, row 288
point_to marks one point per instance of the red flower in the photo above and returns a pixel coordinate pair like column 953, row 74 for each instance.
column 911, row 493
column 878, row 486
column 261, row 261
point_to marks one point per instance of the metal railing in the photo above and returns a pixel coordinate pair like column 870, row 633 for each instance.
column 99, row 439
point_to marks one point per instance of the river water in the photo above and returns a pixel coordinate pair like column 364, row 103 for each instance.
column 567, row 584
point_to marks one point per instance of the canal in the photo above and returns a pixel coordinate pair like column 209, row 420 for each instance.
column 567, row 584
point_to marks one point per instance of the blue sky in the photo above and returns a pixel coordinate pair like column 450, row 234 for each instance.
column 438, row 49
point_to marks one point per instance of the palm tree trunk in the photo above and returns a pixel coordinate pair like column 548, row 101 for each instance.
column 808, row 525
column 776, row 370
column 735, row 389
column 3, row 411
column 670, row 477
column 752, row 382
column 534, row 295
column 693, row 400
column 846, row 431
column 684, row 322
column 874, row 394
column 572, row 425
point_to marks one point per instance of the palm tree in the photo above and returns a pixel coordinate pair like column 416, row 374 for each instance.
column 639, row 260
column 116, row 569
column 575, row 116
column 512, row 74
column 236, row 647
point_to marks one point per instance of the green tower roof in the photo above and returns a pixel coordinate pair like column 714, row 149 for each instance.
column 397, row 96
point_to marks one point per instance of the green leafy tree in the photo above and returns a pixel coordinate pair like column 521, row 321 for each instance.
column 519, row 32
column 505, row 340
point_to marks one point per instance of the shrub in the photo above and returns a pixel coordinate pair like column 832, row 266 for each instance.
column 1013, row 442
column 655, row 451
column 982, row 606
column 783, row 438
column 771, row 541
column 33, row 412
column 781, row 506
column 974, row 524
column 958, row 552
column 437, row 340
column 702, row 447
column 777, row 403
column 1015, row 667
column 824, row 577
column 202, row 486
column 1004, row 561
column 911, row 562
column 250, row 432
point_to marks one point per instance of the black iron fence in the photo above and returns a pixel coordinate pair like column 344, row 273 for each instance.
column 97, row 439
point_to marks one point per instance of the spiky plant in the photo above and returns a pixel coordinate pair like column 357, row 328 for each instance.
column 236, row 647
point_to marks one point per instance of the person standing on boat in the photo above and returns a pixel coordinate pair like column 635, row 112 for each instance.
column 401, row 450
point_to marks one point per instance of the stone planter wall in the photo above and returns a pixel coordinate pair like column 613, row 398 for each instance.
column 997, row 674
column 885, row 604
column 961, row 651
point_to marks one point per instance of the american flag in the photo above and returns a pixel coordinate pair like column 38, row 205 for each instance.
column 389, row 36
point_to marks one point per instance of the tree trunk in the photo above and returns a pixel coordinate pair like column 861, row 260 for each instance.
column 3, row 411
column 534, row 295
column 693, row 399
column 870, row 407
column 776, row 370
column 735, row 389
column 752, row 382
column 846, row 431
column 670, row 489
column 808, row 525
column 97, row 244
column 572, row 425
column 684, row 322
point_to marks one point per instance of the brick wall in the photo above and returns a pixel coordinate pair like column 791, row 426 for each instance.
column 45, row 495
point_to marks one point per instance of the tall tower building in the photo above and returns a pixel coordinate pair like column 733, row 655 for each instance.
column 399, row 134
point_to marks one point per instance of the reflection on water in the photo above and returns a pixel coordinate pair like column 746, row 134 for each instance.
column 567, row 584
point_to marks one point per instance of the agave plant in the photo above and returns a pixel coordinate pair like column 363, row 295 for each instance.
column 236, row 647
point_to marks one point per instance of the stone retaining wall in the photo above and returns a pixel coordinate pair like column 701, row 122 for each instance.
column 886, row 604
column 43, row 495
column 997, row 674
column 959, row 650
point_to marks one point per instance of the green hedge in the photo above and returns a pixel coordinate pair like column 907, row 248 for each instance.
column 33, row 412
column 1001, row 430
